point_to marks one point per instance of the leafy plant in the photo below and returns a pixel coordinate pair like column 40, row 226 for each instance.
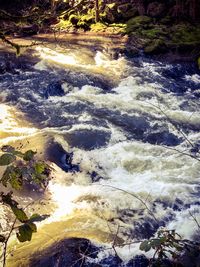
column 22, row 169
column 167, row 244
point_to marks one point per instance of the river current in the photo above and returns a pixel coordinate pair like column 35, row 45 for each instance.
column 122, row 135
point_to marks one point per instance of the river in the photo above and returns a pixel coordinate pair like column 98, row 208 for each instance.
column 117, row 131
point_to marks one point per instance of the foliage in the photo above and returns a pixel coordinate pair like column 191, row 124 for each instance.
column 168, row 245
column 22, row 169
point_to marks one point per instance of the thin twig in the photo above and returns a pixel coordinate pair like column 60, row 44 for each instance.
column 135, row 196
column 6, row 242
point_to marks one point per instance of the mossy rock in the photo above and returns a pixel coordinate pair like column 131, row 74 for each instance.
column 155, row 47
column 154, row 32
column 138, row 22
column 111, row 12
column 185, row 33
column 126, row 11
column 198, row 62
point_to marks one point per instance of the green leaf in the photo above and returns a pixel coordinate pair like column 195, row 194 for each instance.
column 20, row 214
column 28, row 155
column 40, row 167
column 37, row 218
column 7, row 159
column 32, row 226
column 18, row 154
column 13, row 175
column 156, row 242
column 25, row 233
column 145, row 246
column 2, row 238
column 5, row 177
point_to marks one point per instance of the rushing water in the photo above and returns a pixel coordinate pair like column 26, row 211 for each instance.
column 123, row 123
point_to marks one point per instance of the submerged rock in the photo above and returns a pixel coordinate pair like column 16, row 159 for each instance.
column 87, row 139
column 54, row 89
column 138, row 261
column 68, row 252
column 55, row 153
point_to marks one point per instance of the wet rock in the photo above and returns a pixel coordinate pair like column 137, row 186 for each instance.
column 29, row 30
column 55, row 153
column 127, row 11
column 95, row 176
column 87, row 139
column 139, row 260
column 68, row 252
column 54, row 89
column 155, row 47
column 163, row 138
column 111, row 262
column 138, row 22
column 156, row 9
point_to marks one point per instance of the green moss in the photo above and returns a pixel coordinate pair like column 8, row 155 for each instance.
column 155, row 47
column 185, row 33
column 137, row 22
column 153, row 33
column 198, row 61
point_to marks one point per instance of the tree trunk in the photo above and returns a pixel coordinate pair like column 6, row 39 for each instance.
column 96, row 7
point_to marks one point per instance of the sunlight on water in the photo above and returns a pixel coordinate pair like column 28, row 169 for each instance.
column 102, row 61
column 10, row 128
column 48, row 54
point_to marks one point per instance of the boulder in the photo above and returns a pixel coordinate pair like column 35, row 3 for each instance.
column 67, row 252
column 155, row 47
column 156, row 9
column 54, row 89
column 138, row 260
column 111, row 13
column 29, row 30
column 127, row 11
column 137, row 22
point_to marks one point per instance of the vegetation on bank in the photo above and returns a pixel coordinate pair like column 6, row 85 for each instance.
column 155, row 27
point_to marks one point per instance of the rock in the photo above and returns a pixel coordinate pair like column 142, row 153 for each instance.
column 111, row 261
column 55, row 153
column 137, row 22
column 54, row 89
column 163, row 138
column 139, row 260
column 29, row 30
column 155, row 47
column 87, row 139
column 156, row 9
column 126, row 11
column 111, row 14
column 68, row 252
